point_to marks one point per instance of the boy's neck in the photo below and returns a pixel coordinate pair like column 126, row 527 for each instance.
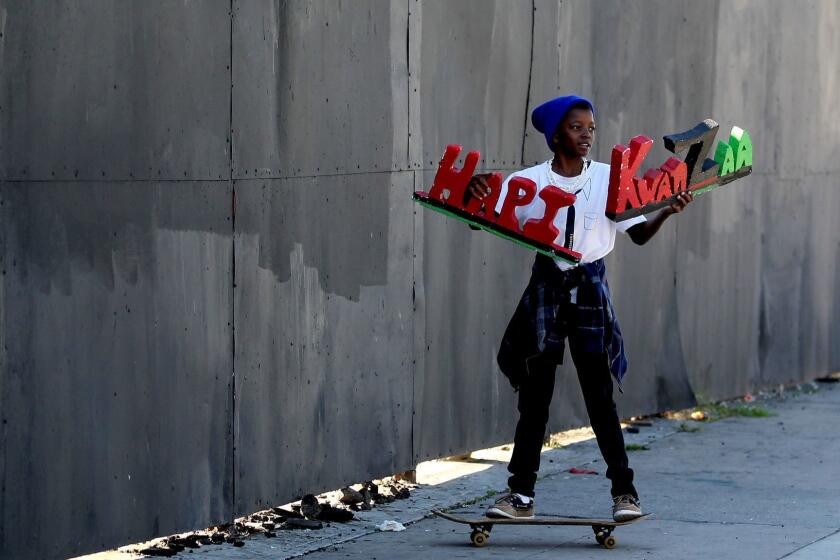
column 567, row 165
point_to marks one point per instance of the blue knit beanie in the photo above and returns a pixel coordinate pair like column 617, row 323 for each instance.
column 547, row 116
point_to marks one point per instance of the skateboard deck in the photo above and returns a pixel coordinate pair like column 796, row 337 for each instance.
column 481, row 525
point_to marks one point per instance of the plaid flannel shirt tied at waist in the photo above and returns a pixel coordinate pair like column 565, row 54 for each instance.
column 545, row 316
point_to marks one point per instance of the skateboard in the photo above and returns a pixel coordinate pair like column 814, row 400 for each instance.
column 481, row 526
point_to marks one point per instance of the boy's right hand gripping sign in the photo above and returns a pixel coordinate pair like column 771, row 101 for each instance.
column 629, row 195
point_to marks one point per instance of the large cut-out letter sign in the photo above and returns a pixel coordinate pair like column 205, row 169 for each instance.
column 631, row 196
column 448, row 196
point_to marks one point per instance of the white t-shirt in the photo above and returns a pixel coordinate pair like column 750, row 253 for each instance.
column 594, row 235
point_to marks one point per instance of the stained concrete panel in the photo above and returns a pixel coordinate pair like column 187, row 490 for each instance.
column 324, row 351
column 821, row 299
column 806, row 97
column 647, row 66
column 748, row 80
column 474, row 70
column 105, row 90
column 718, row 288
column 557, row 67
column 320, row 87
column 472, row 282
column 115, row 366
column 797, row 298
column 793, row 196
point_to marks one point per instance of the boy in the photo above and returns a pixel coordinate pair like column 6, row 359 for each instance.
column 566, row 301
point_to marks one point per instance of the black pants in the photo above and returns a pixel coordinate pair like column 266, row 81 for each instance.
column 534, row 400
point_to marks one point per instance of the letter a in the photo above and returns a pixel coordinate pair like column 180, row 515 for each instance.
column 741, row 144
column 724, row 158
column 677, row 171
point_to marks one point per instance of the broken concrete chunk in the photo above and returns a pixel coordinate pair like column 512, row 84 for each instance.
column 329, row 513
column 293, row 523
column 158, row 551
column 309, row 507
column 351, row 496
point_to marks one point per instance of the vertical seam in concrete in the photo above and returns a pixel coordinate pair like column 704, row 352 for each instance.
column 413, row 226
column 413, row 324
column 233, row 275
column 528, row 91
column 3, row 361
column 408, row 81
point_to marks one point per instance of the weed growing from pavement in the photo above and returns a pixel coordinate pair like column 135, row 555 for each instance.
column 712, row 412
column 801, row 389
column 636, row 447
column 715, row 412
column 477, row 499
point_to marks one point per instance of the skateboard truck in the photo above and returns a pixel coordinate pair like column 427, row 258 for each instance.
column 604, row 536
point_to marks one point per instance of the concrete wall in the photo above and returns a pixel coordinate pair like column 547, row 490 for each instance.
column 216, row 293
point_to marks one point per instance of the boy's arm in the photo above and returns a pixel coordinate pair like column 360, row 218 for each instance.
column 642, row 232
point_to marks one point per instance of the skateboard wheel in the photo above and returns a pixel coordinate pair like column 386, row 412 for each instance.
column 478, row 538
column 610, row 542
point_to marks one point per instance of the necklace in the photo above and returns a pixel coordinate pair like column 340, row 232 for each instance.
column 580, row 178
column 569, row 230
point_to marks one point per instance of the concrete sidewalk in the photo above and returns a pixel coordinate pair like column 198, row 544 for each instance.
column 756, row 488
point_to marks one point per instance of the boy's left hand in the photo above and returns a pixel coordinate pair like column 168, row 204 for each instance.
column 683, row 200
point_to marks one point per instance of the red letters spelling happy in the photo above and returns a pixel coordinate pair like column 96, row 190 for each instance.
column 448, row 193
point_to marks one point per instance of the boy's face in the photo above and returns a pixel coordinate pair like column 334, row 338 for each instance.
column 576, row 133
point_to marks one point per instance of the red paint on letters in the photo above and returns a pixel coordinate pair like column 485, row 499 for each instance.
column 648, row 185
column 521, row 192
column 624, row 163
column 543, row 229
column 678, row 172
column 449, row 178
column 630, row 195
column 706, row 183
column 658, row 184
column 448, row 194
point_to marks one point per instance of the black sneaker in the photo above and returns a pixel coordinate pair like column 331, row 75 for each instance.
column 626, row 507
column 512, row 506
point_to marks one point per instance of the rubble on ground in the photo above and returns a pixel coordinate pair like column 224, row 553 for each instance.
column 309, row 513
